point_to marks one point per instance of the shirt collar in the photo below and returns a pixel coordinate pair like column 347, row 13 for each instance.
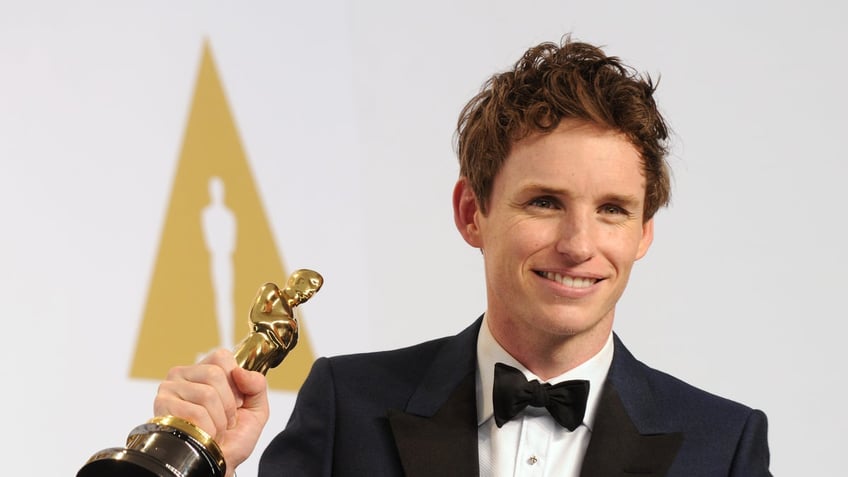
column 489, row 352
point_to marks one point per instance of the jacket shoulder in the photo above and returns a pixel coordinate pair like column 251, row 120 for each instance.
column 402, row 364
column 720, row 436
column 662, row 390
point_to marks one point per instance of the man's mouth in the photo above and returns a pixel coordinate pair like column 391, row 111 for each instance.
column 573, row 282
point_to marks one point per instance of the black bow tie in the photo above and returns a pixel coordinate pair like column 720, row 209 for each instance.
column 512, row 392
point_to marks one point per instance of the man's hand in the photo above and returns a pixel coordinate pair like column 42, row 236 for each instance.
column 226, row 401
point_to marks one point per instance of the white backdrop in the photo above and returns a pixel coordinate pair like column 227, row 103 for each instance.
column 353, row 106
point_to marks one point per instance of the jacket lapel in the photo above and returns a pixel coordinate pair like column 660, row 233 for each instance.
column 443, row 444
column 437, row 432
column 625, row 439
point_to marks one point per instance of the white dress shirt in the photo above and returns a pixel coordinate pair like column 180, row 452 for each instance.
column 532, row 443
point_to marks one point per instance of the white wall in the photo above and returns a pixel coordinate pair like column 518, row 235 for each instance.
column 740, row 294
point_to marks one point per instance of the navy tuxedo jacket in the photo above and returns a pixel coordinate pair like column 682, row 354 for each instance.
column 412, row 412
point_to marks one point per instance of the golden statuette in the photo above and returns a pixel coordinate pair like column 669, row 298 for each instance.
column 272, row 321
column 168, row 446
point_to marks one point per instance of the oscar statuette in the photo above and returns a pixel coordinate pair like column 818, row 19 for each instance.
column 167, row 446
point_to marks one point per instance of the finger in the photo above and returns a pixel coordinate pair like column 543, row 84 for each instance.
column 192, row 412
column 225, row 359
column 207, row 385
column 192, row 401
column 221, row 357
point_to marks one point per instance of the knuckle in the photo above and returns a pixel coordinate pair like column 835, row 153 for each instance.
column 221, row 357
column 166, row 405
column 212, row 374
column 207, row 394
column 174, row 373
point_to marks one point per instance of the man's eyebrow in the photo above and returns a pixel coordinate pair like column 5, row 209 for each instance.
column 543, row 189
column 623, row 199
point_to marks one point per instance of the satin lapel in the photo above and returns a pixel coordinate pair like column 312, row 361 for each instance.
column 444, row 444
column 437, row 432
column 617, row 447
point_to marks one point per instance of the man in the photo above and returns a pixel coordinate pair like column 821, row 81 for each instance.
column 562, row 167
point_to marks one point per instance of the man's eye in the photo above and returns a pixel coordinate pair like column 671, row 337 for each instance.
column 613, row 210
column 543, row 202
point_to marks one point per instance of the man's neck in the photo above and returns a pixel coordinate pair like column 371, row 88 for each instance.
column 547, row 355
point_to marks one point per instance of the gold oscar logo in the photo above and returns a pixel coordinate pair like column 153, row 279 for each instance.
column 216, row 249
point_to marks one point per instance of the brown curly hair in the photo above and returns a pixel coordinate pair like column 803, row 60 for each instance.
column 552, row 82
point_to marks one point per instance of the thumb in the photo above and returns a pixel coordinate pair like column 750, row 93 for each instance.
column 253, row 386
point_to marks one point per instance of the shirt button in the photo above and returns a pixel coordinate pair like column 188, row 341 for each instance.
column 532, row 460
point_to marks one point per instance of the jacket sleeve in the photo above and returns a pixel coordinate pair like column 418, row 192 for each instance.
column 752, row 452
column 305, row 447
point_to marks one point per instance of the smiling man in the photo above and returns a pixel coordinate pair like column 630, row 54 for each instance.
column 560, row 231
column 562, row 168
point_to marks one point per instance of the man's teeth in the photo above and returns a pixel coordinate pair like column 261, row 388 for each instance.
column 574, row 282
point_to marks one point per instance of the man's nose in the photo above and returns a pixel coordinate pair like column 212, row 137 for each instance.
column 576, row 239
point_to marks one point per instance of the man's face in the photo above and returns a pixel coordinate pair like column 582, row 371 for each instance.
column 563, row 228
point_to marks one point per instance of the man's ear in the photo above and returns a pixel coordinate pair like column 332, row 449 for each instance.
column 647, row 238
column 466, row 212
